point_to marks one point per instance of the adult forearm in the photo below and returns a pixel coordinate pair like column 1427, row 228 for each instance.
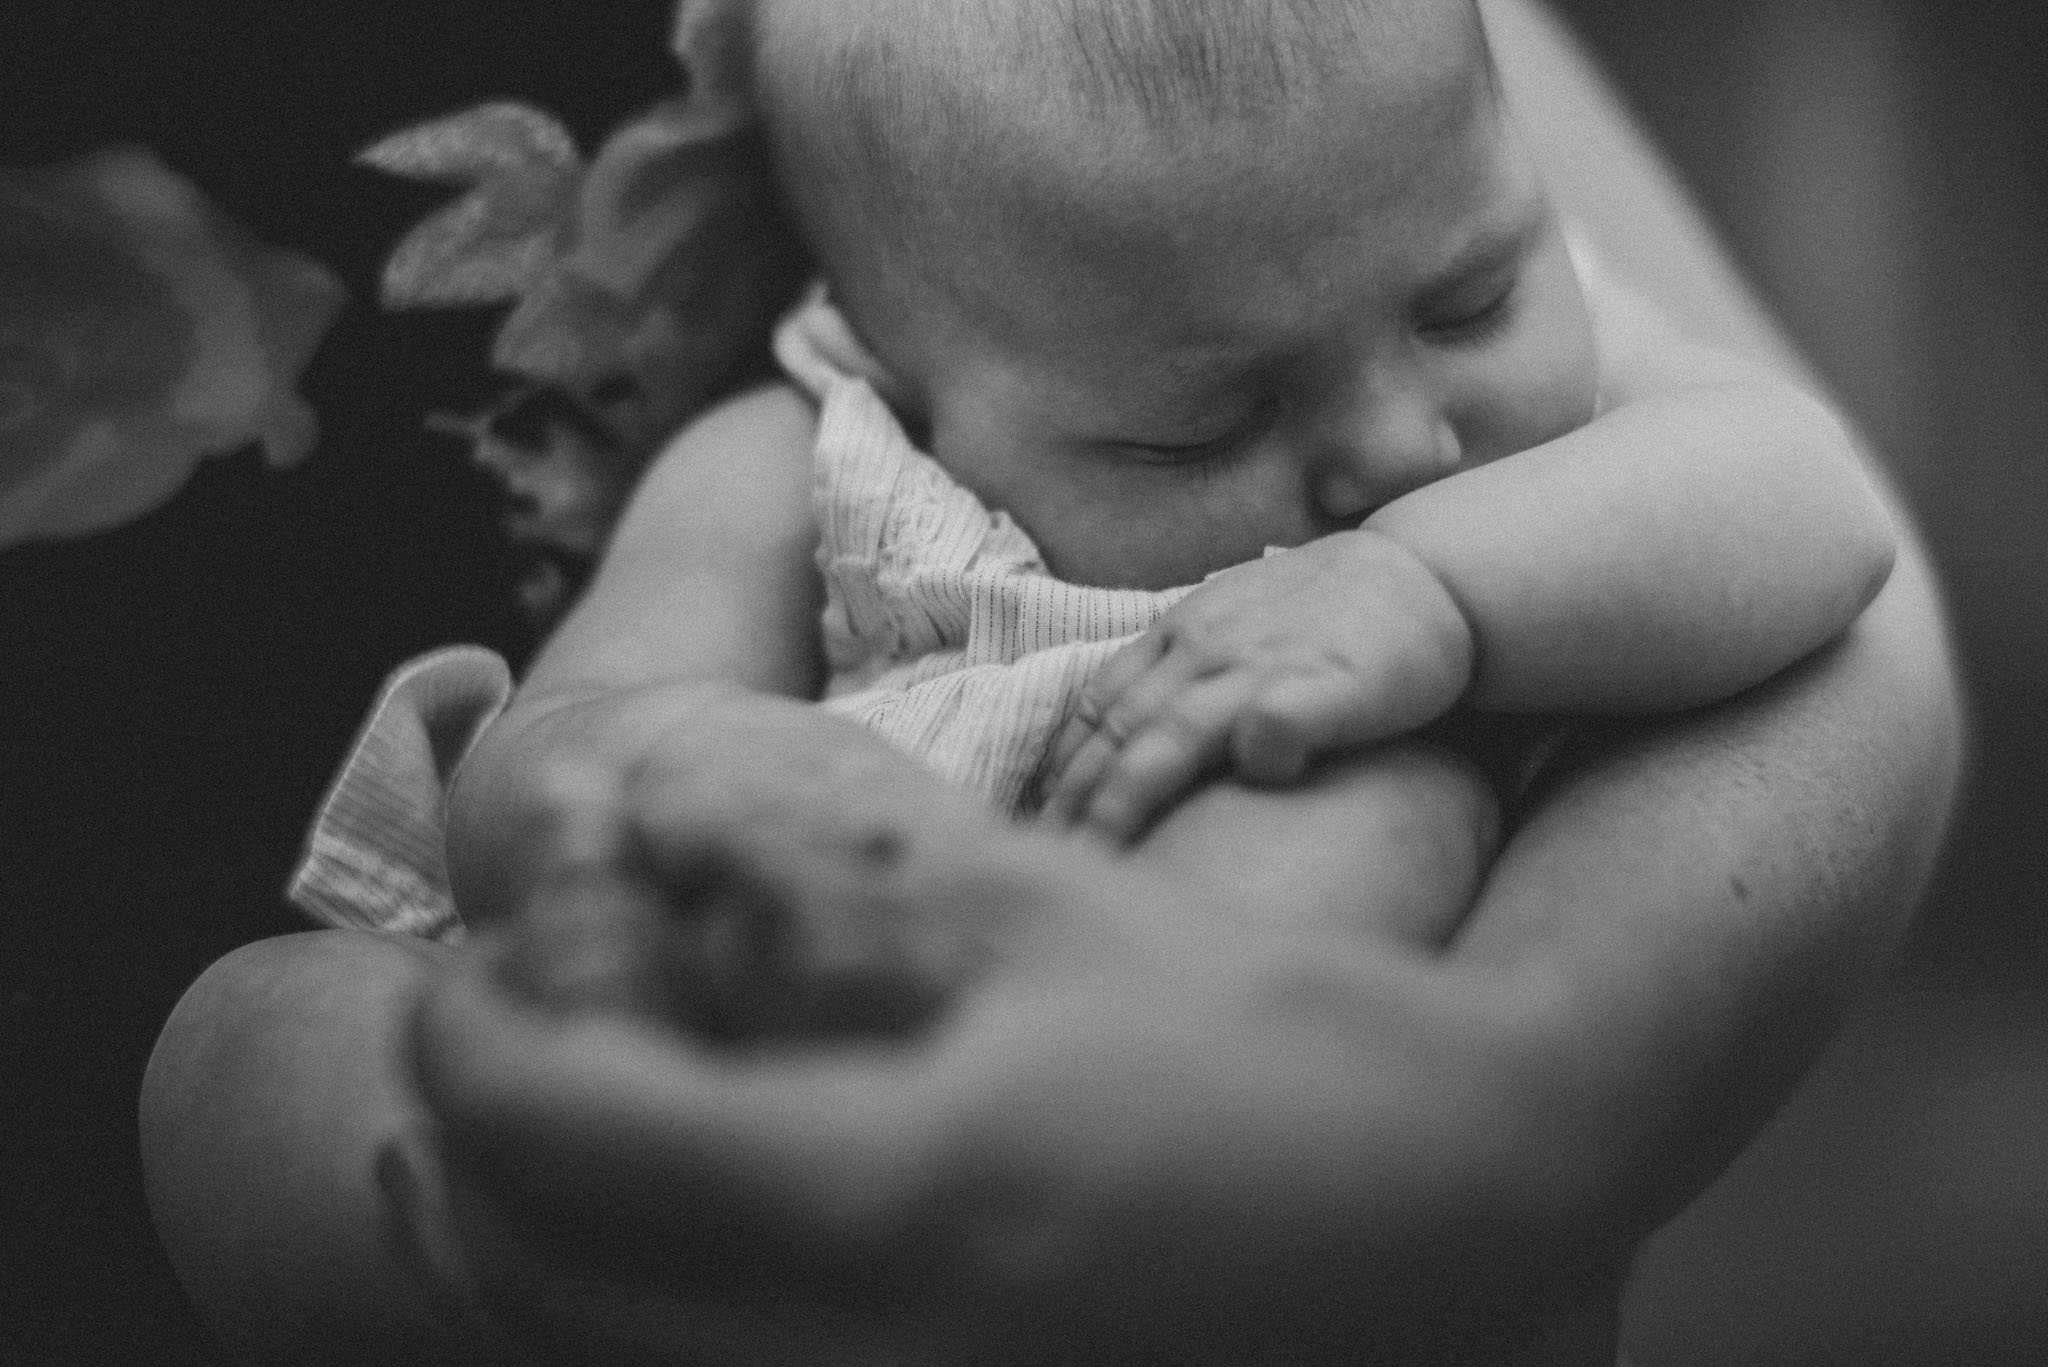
column 1688, row 915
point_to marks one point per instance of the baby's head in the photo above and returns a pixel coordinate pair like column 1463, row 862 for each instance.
column 1172, row 281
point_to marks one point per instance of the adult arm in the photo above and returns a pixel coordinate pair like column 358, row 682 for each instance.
column 1364, row 1154
column 283, row 1145
column 1689, row 911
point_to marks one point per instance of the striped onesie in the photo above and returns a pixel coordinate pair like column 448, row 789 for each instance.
column 943, row 629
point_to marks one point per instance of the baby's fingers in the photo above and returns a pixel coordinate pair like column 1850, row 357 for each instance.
column 1118, row 703
column 1070, row 779
column 1293, row 720
column 1162, row 761
column 1099, row 696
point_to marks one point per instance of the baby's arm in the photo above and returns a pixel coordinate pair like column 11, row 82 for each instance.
column 1709, row 529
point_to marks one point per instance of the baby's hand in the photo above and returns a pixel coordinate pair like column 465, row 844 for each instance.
column 1342, row 642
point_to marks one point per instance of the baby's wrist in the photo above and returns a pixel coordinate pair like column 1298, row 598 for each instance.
column 1433, row 648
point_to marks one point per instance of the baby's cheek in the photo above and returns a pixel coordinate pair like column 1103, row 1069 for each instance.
column 1159, row 529
column 1545, row 395
column 1569, row 402
column 1565, row 367
column 1543, row 381
column 1234, row 518
column 1117, row 548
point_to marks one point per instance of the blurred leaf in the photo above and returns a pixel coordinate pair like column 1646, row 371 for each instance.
column 521, row 168
column 656, row 182
column 564, row 485
column 709, row 39
column 642, row 285
column 140, row 331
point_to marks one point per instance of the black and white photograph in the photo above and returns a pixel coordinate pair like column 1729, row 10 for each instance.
column 994, row 683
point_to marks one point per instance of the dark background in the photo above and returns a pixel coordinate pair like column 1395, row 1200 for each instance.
column 173, row 695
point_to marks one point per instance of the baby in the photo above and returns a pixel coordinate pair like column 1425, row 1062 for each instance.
column 1170, row 286
column 1121, row 298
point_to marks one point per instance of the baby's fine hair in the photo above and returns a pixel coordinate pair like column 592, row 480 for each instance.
column 887, row 106
column 1161, row 59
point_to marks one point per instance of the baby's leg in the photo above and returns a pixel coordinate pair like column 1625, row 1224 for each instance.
column 1390, row 845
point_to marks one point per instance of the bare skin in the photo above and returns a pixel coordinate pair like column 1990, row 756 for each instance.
column 928, row 1166
column 1348, row 324
column 1415, row 1157
column 1141, row 1068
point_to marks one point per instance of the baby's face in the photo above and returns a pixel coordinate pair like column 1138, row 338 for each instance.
column 1259, row 335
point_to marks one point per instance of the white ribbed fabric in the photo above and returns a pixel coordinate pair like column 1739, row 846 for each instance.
column 944, row 630
column 375, row 857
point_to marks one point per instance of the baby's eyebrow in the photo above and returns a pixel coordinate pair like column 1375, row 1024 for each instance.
column 1496, row 246
column 1210, row 364
column 1188, row 370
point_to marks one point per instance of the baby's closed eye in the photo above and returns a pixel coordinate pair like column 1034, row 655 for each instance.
column 1470, row 314
column 1209, row 441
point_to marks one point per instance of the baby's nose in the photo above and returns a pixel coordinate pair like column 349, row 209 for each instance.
column 1398, row 445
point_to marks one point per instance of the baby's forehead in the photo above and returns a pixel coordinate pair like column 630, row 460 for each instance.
column 972, row 142
column 905, row 102
column 1161, row 60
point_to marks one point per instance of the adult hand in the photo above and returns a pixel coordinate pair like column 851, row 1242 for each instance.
column 739, row 865
column 1156, row 1133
